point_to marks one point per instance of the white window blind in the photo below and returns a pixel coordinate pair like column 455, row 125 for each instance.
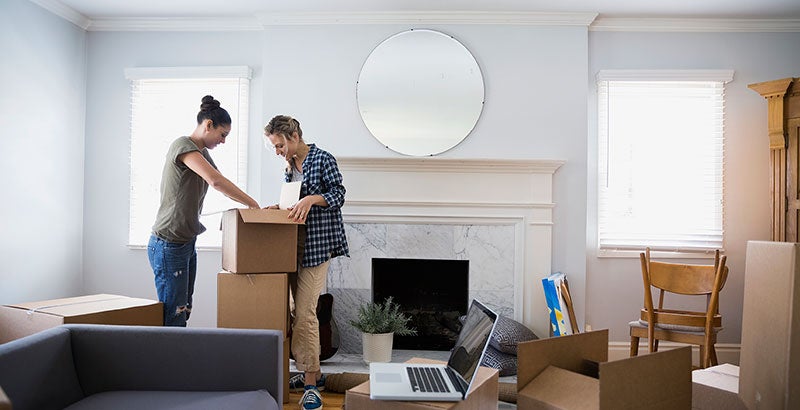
column 164, row 106
column 660, row 160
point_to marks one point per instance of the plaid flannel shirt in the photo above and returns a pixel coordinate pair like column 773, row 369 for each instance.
column 325, row 238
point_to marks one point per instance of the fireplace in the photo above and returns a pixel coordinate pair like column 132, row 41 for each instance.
column 433, row 292
column 497, row 214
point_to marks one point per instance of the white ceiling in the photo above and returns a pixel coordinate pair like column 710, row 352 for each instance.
column 729, row 9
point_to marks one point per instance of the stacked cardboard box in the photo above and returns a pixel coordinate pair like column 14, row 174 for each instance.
column 23, row 319
column 259, row 250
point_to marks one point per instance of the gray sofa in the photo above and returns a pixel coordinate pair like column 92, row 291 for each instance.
column 79, row 367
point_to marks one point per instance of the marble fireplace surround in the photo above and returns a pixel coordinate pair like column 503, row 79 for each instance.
column 495, row 213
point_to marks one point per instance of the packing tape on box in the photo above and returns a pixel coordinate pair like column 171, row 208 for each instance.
column 38, row 308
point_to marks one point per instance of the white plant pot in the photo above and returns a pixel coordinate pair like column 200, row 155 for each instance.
column 377, row 347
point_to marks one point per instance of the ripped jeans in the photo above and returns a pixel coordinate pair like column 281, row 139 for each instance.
column 175, row 269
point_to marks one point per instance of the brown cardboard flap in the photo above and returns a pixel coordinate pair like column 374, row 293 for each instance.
column 562, row 389
column 660, row 380
column 271, row 216
column 567, row 352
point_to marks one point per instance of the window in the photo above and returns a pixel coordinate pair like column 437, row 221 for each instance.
column 164, row 106
column 660, row 157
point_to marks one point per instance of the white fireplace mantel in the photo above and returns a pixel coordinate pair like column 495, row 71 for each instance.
column 470, row 192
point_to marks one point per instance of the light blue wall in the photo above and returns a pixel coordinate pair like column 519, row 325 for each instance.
column 539, row 104
column 614, row 291
column 42, row 98
column 109, row 265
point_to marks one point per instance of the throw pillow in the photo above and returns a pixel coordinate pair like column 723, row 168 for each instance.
column 505, row 363
column 508, row 333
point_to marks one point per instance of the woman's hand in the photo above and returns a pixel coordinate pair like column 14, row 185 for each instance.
column 272, row 207
column 299, row 212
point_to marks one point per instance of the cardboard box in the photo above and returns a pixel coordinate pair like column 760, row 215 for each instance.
column 23, row 319
column 716, row 387
column 253, row 301
column 256, row 301
column 258, row 241
column 769, row 363
column 572, row 372
column 482, row 395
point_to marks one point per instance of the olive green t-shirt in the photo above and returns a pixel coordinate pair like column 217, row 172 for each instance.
column 182, row 194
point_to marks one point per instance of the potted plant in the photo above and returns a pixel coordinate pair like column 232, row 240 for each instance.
column 379, row 322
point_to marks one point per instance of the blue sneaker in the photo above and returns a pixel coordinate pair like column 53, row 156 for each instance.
column 311, row 399
column 297, row 383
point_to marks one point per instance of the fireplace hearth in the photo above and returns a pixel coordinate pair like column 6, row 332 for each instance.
column 433, row 292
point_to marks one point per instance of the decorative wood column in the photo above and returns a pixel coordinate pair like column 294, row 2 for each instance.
column 783, row 99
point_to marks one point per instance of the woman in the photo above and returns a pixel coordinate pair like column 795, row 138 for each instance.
column 188, row 171
column 323, row 238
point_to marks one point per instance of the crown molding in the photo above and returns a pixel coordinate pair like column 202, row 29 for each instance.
column 694, row 25
column 175, row 24
column 67, row 13
column 429, row 17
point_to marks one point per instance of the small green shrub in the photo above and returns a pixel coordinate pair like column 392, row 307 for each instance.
column 383, row 317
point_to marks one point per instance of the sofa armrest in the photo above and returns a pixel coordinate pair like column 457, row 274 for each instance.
column 5, row 404
column 109, row 358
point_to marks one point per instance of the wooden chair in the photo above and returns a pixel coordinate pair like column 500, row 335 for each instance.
column 683, row 326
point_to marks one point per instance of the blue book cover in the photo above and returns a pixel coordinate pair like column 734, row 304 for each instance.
column 551, row 297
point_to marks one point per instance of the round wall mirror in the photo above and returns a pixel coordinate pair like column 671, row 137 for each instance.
column 420, row 92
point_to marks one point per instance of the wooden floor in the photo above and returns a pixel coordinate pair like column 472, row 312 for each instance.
column 330, row 401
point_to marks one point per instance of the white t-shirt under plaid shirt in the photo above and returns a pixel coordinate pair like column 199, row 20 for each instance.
column 325, row 238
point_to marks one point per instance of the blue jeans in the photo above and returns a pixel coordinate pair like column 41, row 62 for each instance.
column 175, row 269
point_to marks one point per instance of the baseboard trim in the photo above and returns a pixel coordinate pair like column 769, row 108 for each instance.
column 726, row 352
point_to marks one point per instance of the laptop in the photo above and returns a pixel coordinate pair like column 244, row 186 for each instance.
column 438, row 382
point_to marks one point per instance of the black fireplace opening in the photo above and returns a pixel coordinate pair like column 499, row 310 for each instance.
column 433, row 292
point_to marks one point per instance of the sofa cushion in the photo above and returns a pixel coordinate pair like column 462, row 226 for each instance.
column 36, row 371
column 177, row 400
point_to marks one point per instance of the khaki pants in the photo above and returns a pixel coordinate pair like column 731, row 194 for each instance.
column 306, row 286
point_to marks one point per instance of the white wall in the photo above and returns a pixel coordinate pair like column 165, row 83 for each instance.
column 109, row 265
column 614, row 289
column 42, row 95
column 539, row 105
column 310, row 73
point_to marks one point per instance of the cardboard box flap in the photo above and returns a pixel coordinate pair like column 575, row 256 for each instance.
column 567, row 352
column 82, row 305
column 661, row 380
column 271, row 216
column 563, row 389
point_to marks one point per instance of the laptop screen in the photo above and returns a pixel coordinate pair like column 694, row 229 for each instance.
column 472, row 341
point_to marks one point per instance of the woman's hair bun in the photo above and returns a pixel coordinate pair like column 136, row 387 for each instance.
column 209, row 104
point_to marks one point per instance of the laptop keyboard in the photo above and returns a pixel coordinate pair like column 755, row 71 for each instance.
column 427, row 379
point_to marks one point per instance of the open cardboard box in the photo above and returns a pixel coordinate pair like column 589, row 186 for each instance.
column 259, row 241
column 23, row 319
column 482, row 395
column 552, row 374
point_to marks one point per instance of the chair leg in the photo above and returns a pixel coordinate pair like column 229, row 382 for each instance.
column 634, row 346
column 655, row 345
column 713, row 355
column 703, row 357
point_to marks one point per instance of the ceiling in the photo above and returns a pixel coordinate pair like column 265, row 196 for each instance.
column 725, row 9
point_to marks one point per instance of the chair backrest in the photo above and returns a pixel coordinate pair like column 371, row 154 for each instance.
column 685, row 279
